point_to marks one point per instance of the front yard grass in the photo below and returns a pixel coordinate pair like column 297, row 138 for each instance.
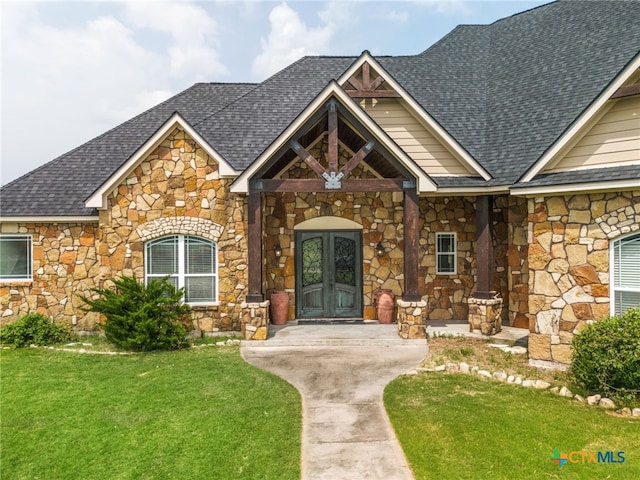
column 198, row 413
column 464, row 427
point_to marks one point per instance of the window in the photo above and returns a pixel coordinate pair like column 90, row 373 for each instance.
column 15, row 258
column 626, row 274
column 445, row 253
column 189, row 261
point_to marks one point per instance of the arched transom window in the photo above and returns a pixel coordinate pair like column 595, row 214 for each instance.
column 626, row 274
column 189, row 261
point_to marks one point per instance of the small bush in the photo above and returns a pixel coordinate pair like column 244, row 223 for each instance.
column 35, row 329
column 606, row 356
column 142, row 317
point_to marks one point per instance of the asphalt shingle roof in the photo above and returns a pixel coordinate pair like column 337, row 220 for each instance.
column 506, row 92
column 60, row 187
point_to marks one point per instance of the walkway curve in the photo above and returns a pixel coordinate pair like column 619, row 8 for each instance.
column 346, row 433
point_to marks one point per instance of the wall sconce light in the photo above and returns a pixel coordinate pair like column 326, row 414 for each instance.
column 379, row 249
column 277, row 250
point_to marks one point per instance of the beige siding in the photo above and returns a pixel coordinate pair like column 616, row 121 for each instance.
column 416, row 140
column 613, row 140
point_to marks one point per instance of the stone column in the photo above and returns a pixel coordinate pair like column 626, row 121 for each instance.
column 485, row 315
column 254, row 324
column 411, row 319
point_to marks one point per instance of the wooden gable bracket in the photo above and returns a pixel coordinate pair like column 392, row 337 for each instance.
column 627, row 91
column 333, row 177
column 367, row 88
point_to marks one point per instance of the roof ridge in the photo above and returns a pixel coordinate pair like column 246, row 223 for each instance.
column 529, row 10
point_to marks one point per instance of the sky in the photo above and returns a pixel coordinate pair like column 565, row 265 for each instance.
column 71, row 70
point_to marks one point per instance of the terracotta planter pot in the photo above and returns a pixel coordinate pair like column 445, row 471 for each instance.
column 279, row 307
column 386, row 304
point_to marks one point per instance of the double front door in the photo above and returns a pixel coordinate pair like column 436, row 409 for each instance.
column 329, row 274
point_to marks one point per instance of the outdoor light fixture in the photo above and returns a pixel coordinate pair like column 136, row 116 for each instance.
column 379, row 249
column 277, row 250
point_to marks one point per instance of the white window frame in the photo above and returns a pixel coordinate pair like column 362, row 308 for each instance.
column 181, row 275
column 453, row 236
column 614, row 246
column 29, row 275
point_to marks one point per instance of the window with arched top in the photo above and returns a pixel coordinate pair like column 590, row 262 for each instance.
column 625, row 271
column 189, row 262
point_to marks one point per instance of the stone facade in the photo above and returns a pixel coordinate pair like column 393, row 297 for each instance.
column 551, row 253
column 177, row 189
column 568, row 257
column 65, row 265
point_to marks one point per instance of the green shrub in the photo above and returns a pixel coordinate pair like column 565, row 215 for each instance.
column 35, row 329
column 606, row 356
column 142, row 317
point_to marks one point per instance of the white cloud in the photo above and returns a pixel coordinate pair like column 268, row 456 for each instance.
column 395, row 16
column 194, row 49
column 448, row 7
column 65, row 82
column 290, row 39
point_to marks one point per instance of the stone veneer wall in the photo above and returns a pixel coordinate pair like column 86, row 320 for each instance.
column 517, row 306
column 65, row 264
column 568, row 260
column 447, row 295
column 177, row 190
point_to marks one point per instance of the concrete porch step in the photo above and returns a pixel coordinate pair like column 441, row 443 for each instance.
column 362, row 334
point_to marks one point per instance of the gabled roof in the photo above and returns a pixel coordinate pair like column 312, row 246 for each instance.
column 418, row 110
column 508, row 90
column 424, row 183
column 505, row 92
column 98, row 198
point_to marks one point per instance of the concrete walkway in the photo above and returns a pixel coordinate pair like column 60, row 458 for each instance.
column 341, row 372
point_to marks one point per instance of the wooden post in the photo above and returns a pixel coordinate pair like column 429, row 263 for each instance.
column 332, row 122
column 411, row 245
column 484, row 247
column 254, row 240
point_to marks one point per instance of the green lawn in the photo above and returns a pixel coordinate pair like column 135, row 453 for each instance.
column 200, row 413
column 462, row 427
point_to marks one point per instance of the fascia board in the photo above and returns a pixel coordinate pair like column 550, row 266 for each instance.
column 613, row 186
column 575, row 129
column 445, row 137
column 98, row 198
column 494, row 190
column 51, row 219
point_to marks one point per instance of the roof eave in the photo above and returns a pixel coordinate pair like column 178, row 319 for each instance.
column 572, row 188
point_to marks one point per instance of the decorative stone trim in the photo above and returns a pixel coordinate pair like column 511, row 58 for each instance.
column 411, row 319
column 200, row 227
column 485, row 315
column 621, row 221
column 254, row 322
